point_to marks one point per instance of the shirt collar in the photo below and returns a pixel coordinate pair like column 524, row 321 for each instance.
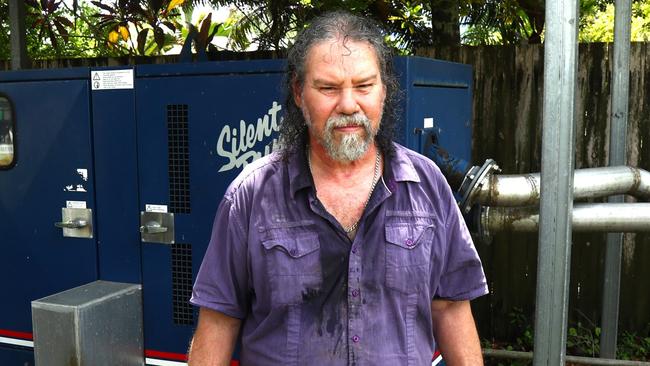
column 299, row 174
column 400, row 168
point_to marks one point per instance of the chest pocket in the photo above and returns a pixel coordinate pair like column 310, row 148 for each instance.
column 292, row 256
column 408, row 251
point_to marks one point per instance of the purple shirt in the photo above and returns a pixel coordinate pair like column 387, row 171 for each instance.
column 308, row 295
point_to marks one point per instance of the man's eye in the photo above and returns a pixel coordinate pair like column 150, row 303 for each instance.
column 364, row 86
column 328, row 89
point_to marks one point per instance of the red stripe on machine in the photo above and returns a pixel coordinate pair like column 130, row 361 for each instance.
column 14, row 334
column 175, row 356
column 167, row 355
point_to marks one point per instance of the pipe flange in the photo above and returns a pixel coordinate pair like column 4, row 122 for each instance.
column 473, row 181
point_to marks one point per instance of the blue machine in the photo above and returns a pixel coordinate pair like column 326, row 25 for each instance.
column 146, row 153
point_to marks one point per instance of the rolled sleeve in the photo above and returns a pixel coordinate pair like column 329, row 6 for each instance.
column 222, row 281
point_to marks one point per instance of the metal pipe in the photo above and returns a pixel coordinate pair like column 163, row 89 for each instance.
column 556, row 197
column 592, row 217
column 518, row 355
column 617, row 156
column 524, row 189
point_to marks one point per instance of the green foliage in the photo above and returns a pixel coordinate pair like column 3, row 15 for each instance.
column 85, row 28
column 272, row 24
column 597, row 22
column 5, row 51
column 633, row 347
column 502, row 22
column 79, row 40
column 583, row 339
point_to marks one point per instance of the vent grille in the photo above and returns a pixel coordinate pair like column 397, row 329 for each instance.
column 179, row 158
column 182, row 284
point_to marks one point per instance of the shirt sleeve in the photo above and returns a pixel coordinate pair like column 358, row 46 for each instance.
column 222, row 281
column 462, row 277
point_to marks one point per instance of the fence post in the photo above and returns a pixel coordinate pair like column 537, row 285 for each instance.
column 617, row 156
column 554, row 253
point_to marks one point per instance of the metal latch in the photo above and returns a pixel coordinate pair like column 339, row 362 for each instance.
column 157, row 227
column 76, row 222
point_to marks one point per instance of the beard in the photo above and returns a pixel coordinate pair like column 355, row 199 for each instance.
column 344, row 147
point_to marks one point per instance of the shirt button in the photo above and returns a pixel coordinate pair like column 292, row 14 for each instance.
column 354, row 250
column 356, row 339
column 293, row 252
column 355, row 293
column 409, row 242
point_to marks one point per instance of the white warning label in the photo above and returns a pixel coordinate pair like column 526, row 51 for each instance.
column 75, row 204
column 155, row 208
column 111, row 79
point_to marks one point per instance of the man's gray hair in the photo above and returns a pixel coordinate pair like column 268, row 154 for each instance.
column 344, row 26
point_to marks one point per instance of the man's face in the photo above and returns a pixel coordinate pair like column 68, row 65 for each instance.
column 342, row 97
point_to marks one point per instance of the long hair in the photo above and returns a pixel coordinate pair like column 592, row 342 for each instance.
column 347, row 27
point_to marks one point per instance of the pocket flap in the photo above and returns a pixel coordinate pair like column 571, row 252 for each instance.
column 295, row 247
column 405, row 235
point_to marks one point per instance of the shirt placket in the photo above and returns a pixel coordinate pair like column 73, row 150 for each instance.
column 357, row 338
column 355, row 321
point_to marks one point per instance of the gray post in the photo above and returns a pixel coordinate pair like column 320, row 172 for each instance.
column 554, row 258
column 617, row 156
column 17, row 28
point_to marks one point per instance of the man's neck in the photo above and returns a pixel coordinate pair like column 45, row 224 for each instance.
column 324, row 167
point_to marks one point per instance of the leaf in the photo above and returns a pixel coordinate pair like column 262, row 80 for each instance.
column 62, row 31
column 215, row 30
column 170, row 25
column 53, row 5
column 159, row 37
column 65, row 21
column 124, row 32
column 32, row 3
column 203, row 32
column 142, row 40
column 113, row 36
column 155, row 5
column 105, row 7
column 37, row 22
column 55, row 44
column 173, row 4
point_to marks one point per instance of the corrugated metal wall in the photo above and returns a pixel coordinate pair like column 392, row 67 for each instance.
column 508, row 96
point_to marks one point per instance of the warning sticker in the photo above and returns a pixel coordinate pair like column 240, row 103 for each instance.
column 155, row 208
column 75, row 204
column 111, row 79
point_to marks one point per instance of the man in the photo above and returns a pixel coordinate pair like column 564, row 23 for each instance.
column 344, row 248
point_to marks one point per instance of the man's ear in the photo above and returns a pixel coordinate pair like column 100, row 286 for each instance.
column 296, row 90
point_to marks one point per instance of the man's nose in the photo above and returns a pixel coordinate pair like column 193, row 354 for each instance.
column 347, row 104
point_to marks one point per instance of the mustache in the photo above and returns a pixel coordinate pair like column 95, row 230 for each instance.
column 348, row 121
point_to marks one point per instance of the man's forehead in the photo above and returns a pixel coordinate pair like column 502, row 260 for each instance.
column 338, row 52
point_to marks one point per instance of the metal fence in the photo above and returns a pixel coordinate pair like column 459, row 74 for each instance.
column 508, row 98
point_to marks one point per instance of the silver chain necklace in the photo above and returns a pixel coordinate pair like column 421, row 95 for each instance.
column 375, row 179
